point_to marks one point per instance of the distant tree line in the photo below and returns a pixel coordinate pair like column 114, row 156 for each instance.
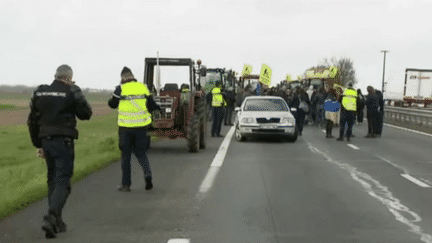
column 24, row 89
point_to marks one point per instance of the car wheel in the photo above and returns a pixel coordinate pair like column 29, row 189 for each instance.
column 293, row 138
column 238, row 135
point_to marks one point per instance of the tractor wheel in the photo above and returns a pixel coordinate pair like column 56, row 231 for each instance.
column 192, row 135
column 202, row 123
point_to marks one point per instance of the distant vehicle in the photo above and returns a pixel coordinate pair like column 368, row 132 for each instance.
column 265, row 116
column 418, row 87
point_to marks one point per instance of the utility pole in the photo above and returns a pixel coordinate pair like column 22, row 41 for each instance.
column 383, row 71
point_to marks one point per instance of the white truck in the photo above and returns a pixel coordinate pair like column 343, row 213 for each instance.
column 418, row 86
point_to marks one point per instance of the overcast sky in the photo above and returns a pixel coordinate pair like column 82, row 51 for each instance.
column 98, row 38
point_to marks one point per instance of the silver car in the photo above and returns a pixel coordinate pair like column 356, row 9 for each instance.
column 265, row 115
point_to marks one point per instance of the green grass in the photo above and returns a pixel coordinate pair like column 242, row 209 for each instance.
column 23, row 175
column 7, row 107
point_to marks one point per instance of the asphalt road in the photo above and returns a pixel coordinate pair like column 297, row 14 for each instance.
column 262, row 190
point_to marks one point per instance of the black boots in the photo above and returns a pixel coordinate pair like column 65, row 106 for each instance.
column 149, row 184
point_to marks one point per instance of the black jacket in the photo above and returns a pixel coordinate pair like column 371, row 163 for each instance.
column 115, row 101
column 53, row 109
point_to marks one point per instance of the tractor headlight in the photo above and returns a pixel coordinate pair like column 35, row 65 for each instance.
column 247, row 120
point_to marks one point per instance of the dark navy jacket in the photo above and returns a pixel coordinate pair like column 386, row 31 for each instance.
column 53, row 109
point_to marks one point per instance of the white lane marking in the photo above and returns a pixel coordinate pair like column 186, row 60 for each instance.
column 207, row 183
column 218, row 160
column 179, row 240
column 353, row 146
column 415, row 180
column 382, row 194
column 406, row 173
column 393, row 164
column 409, row 130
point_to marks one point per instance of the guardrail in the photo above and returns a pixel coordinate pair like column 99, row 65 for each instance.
column 416, row 119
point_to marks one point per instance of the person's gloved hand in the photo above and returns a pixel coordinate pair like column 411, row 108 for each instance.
column 40, row 153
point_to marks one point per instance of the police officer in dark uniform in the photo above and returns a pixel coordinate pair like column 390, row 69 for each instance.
column 135, row 105
column 52, row 127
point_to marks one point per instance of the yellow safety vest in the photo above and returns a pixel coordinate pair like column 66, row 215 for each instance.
column 132, row 110
column 349, row 100
column 217, row 100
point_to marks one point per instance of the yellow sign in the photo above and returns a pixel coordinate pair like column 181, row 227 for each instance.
column 265, row 75
column 288, row 78
column 310, row 74
column 333, row 71
column 247, row 69
column 326, row 73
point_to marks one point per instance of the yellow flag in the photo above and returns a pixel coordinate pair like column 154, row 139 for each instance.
column 333, row 71
column 325, row 74
column 247, row 69
column 265, row 75
column 288, row 78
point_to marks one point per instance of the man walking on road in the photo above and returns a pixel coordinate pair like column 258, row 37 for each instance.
column 52, row 126
column 349, row 103
column 218, row 101
column 230, row 106
column 135, row 105
column 380, row 113
column 372, row 106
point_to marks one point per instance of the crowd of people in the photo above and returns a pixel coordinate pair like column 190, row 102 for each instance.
column 328, row 108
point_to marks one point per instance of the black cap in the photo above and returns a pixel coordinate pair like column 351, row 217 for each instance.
column 126, row 75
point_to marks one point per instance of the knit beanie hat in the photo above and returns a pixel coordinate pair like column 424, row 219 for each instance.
column 64, row 74
column 126, row 75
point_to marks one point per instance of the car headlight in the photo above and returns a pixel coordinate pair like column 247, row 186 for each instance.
column 247, row 120
column 288, row 120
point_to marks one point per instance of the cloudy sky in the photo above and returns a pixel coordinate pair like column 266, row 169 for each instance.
column 98, row 38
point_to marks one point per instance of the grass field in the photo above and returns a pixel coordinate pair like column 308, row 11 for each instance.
column 23, row 175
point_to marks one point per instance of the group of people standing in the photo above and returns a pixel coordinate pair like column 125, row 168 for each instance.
column 328, row 108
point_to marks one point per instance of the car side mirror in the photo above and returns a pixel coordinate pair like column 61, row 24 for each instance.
column 237, row 109
column 293, row 109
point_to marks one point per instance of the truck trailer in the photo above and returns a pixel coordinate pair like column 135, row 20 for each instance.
column 418, row 87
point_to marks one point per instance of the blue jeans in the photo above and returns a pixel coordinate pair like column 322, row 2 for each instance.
column 59, row 155
column 133, row 141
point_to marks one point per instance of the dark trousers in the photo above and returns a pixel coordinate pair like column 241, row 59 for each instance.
column 59, row 155
column 360, row 114
column 373, row 122
column 300, row 119
column 228, row 115
column 320, row 115
column 329, row 127
column 133, row 141
column 380, row 122
column 347, row 118
column 217, row 120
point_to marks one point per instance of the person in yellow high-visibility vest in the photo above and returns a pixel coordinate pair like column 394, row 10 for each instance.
column 135, row 105
column 349, row 104
column 218, row 101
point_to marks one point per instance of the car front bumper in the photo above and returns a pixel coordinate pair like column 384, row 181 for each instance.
column 268, row 130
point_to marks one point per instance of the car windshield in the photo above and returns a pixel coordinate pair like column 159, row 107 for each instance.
column 265, row 105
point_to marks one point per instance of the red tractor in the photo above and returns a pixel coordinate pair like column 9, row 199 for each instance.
column 183, row 108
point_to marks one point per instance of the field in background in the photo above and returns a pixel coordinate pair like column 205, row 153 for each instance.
column 23, row 175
